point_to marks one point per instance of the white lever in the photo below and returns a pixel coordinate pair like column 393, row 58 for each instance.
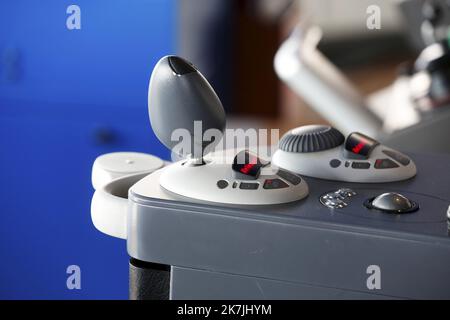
column 110, row 204
column 112, row 176
column 311, row 75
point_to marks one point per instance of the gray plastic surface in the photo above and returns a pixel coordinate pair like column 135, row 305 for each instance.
column 430, row 135
column 304, row 244
column 202, row 285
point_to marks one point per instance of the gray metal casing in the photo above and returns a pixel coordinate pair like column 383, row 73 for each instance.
column 302, row 250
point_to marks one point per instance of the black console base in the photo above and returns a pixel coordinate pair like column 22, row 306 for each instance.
column 149, row 281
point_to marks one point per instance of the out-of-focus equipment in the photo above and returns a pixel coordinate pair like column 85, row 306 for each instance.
column 413, row 113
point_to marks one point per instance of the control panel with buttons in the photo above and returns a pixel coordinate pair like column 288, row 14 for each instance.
column 346, row 243
column 253, row 182
column 244, row 179
column 396, row 226
column 247, row 175
column 323, row 152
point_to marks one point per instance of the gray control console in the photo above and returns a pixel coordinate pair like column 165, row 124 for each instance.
column 323, row 152
column 358, row 223
column 328, row 245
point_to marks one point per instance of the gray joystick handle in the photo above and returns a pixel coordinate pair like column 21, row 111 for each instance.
column 179, row 97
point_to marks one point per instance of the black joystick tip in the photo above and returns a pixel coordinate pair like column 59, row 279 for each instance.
column 180, row 66
column 311, row 138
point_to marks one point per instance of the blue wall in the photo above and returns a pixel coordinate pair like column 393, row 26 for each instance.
column 67, row 96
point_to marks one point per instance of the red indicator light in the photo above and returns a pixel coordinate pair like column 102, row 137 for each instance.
column 358, row 147
column 247, row 167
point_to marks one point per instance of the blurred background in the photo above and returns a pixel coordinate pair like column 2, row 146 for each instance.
column 70, row 95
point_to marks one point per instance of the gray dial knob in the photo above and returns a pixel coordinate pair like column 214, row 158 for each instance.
column 392, row 202
column 311, row 138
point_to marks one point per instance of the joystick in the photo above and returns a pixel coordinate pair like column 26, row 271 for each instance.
column 180, row 97
column 321, row 151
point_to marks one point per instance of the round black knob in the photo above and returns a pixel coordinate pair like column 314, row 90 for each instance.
column 311, row 138
column 392, row 202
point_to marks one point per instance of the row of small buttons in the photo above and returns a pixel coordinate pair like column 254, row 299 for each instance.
column 384, row 163
column 268, row 184
column 379, row 164
column 336, row 199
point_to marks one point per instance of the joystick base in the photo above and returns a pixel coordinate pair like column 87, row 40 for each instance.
column 215, row 182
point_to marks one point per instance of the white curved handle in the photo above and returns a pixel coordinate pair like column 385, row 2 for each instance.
column 110, row 166
column 112, row 175
column 313, row 77
column 110, row 204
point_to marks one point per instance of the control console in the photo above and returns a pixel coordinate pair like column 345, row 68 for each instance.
column 311, row 223
column 323, row 152
column 344, row 241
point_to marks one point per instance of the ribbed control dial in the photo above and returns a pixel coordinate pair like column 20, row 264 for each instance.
column 311, row 138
